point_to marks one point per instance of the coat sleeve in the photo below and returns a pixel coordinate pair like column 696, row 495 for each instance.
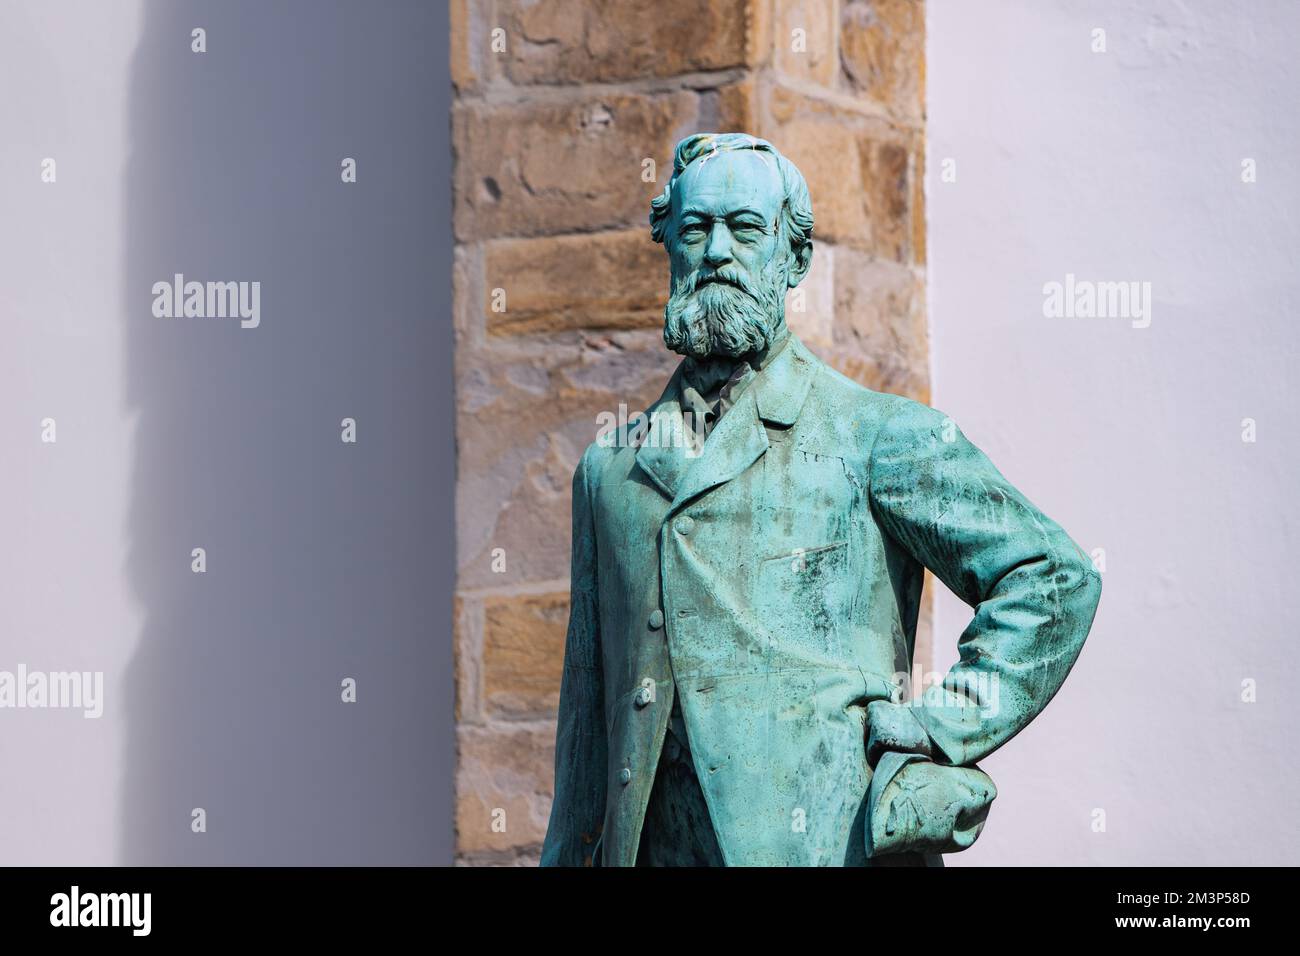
column 1033, row 591
column 578, row 811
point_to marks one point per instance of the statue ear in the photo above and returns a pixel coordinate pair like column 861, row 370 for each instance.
column 800, row 263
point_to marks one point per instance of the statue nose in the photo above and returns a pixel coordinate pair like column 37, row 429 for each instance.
column 719, row 250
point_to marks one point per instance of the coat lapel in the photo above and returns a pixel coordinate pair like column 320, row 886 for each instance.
column 782, row 387
column 776, row 395
column 663, row 453
column 735, row 443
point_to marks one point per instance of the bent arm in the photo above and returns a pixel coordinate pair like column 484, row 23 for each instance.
column 1033, row 591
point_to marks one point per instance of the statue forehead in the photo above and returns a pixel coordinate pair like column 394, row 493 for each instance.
column 728, row 180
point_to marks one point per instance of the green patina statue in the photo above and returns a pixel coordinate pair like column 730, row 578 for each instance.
column 746, row 576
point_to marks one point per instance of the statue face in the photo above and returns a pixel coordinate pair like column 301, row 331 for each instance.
column 729, row 256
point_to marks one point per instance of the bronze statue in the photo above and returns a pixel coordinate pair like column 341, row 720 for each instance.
column 745, row 593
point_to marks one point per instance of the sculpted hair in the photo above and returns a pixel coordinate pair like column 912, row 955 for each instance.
column 796, row 208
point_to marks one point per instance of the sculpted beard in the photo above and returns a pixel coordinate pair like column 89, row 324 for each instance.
column 721, row 318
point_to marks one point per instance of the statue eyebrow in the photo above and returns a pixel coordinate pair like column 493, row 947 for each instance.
column 734, row 214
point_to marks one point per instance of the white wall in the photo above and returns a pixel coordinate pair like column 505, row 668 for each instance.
column 325, row 560
column 66, row 601
column 1126, row 165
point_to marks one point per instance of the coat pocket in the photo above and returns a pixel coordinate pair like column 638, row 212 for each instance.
column 803, row 595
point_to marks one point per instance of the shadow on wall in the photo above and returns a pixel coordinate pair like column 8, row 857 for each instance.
column 324, row 560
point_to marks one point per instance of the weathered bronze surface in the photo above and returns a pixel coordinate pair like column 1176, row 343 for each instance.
column 748, row 570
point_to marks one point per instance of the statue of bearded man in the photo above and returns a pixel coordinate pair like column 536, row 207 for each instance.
column 744, row 595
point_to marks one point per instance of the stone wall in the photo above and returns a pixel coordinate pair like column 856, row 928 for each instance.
column 564, row 122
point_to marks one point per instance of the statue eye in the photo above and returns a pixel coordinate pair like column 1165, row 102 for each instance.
column 692, row 232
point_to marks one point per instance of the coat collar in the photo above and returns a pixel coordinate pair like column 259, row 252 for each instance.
column 783, row 385
column 776, row 395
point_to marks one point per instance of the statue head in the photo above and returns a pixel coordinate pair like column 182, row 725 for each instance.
column 737, row 222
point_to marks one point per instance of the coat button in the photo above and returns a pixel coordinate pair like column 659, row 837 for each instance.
column 656, row 619
column 643, row 696
column 625, row 776
column 684, row 524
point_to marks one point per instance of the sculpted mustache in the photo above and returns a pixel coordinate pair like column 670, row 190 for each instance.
column 724, row 278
